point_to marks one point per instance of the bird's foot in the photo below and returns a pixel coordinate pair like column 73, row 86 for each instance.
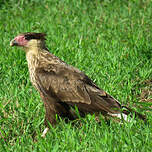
column 44, row 132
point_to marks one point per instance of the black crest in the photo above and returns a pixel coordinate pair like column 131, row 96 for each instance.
column 38, row 36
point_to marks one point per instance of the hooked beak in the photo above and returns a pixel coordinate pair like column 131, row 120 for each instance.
column 13, row 43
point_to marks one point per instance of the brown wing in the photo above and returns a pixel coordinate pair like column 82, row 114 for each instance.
column 70, row 85
column 63, row 82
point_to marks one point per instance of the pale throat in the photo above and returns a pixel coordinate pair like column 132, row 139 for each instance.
column 34, row 46
column 32, row 57
column 33, row 50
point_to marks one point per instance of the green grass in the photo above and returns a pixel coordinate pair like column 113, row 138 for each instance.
column 111, row 41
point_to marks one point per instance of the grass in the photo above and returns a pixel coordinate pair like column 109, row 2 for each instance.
column 109, row 40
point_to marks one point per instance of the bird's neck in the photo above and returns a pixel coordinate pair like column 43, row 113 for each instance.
column 32, row 57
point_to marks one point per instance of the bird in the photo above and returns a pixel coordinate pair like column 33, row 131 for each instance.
column 63, row 87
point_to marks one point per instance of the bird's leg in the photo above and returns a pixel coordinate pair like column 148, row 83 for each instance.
column 47, row 121
column 50, row 117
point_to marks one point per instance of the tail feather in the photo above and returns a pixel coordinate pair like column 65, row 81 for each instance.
column 128, row 112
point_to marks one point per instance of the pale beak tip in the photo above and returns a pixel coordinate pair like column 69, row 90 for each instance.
column 11, row 43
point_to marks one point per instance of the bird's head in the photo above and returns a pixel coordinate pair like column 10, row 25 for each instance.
column 29, row 40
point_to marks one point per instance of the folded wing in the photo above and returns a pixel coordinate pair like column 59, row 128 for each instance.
column 73, row 87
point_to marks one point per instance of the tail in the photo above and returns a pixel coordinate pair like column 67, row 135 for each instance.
column 126, row 111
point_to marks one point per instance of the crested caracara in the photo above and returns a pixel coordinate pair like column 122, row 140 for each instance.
column 62, row 87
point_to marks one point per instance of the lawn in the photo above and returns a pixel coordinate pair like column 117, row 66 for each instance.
column 111, row 41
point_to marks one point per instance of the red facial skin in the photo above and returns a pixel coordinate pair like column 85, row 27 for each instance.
column 20, row 40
